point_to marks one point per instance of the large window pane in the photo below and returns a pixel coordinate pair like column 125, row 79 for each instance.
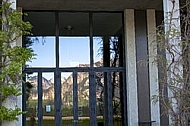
column 83, row 98
column 43, row 39
column 43, row 23
column 48, row 99
column 31, row 99
column 67, row 98
column 44, row 48
column 74, row 52
column 74, row 39
column 117, row 98
column 98, row 51
column 107, row 32
column 103, row 100
column 100, row 84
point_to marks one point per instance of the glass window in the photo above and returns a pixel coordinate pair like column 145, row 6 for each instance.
column 44, row 48
column 74, row 40
column 43, row 40
column 107, row 28
column 74, row 52
column 31, row 98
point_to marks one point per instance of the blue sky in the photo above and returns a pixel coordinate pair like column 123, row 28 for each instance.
column 73, row 50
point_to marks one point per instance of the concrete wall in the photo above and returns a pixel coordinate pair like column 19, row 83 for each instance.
column 142, row 74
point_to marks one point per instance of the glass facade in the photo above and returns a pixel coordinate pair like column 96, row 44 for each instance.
column 79, row 68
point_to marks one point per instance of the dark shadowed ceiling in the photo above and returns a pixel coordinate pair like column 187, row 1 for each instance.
column 75, row 23
column 88, row 5
column 104, row 24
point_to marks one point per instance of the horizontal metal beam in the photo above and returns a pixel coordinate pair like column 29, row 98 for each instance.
column 77, row 69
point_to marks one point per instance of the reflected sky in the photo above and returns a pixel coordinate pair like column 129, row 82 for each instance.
column 73, row 50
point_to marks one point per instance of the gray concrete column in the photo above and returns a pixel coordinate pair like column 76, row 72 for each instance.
column 131, row 72
column 153, row 69
column 10, row 103
column 19, row 98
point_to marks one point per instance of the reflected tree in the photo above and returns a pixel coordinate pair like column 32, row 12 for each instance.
column 115, row 60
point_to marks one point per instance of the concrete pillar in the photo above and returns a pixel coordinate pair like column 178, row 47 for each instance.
column 12, row 101
column 153, row 69
column 131, row 72
column 19, row 98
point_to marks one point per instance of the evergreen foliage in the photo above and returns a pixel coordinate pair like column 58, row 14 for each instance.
column 13, row 59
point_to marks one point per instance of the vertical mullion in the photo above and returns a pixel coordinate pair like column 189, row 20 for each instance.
column 92, row 85
column 75, row 98
column 106, row 63
column 40, row 93
column 91, row 39
column 124, row 106
column 57, row 38
column 24, row 101
column 110, row 104
column 57, row 74
column 57, row 100
column 123, row 94
column 92, row 92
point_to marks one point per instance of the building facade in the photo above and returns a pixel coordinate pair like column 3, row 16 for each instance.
column 74, row 87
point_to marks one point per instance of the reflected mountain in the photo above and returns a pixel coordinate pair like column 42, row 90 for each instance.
column 67, row 87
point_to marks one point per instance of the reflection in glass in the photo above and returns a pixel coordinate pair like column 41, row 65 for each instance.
column 67, row 98
column 102, row 98
column 74, row 24
column 32, row 99
column 83, row 98
column 114, row 51
column 98, row 51
column 116, row 81
column 74, row 52
column 107, row 51
column 43, row 39
column 48, row 98
column 43, row 23
column 44, row 48
column 106, row 24
column 74, row 39
column 107, row 28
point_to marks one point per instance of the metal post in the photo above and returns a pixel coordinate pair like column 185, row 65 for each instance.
column 92, row 85
column 75, row 98
column 57, row 77
column 40, row 94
